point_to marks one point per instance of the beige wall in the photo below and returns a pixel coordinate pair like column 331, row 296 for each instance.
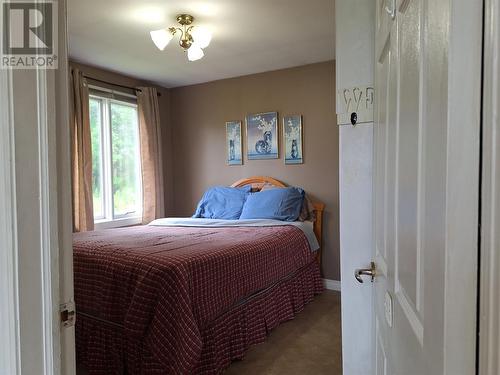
column 193, row 131
column 164, row 103
column 198, row 116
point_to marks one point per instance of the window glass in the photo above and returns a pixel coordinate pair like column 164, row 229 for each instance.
column 95, row 111
column 125, row 160
column 116, row 173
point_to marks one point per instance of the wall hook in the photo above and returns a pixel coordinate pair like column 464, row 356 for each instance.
column 354, row 118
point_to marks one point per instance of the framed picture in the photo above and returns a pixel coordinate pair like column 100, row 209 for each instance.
column 262, row 136
column 293, row 139
column 234, row 154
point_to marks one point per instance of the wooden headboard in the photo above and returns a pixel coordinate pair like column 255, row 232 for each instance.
column 258, row 182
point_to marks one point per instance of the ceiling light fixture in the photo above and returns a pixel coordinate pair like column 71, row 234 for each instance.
column 193, row 39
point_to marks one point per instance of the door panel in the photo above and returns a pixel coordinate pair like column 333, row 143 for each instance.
column 408, row 154
column 380, row 357
column 426, row 158
column 402, row 182
column 384, row 131
column 380, row 155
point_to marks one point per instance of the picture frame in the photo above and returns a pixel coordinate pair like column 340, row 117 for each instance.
column 293, row 139
column 262, row 136
column 234, row 146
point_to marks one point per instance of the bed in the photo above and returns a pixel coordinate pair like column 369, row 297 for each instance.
column 181, row 296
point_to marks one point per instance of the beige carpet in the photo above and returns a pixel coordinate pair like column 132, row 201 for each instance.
column 309, row 344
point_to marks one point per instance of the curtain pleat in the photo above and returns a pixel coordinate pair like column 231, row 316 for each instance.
column 151, row 154
column 81, row 154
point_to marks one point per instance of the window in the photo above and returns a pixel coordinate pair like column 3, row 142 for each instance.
column 116, row 174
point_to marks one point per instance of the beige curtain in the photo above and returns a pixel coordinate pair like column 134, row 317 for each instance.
column 151, row 154
column 81, row 154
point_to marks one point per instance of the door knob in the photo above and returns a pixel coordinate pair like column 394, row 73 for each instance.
column 365, row 271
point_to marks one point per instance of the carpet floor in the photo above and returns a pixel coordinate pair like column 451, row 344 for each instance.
column 310, row 344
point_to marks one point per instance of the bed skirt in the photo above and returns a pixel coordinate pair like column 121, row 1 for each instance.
column 103, row 349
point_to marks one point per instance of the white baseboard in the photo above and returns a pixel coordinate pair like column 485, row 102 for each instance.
column 332, row 284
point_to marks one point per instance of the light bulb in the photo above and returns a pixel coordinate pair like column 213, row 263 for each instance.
column 195, row 52
column 161, row 38
column 202, row 36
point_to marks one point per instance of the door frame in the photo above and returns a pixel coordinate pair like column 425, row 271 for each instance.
column 462, row 212
column 489, row 300
column 9, row 315
column 36, row 98
column 12, row 198
column 64, row 187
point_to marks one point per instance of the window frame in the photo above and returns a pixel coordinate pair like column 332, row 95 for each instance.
column 109, row 218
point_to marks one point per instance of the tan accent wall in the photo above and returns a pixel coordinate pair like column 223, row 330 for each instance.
column 164, row 103
column 198, row 116
column 193, row 131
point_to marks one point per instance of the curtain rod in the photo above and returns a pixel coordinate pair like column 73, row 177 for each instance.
column 117, row 85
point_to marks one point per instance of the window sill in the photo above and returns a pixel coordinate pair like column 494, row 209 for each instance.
column 117, row 223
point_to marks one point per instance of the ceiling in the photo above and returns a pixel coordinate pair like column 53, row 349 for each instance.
column 249, row 36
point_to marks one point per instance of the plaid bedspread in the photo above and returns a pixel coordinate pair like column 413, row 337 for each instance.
column 165, row 284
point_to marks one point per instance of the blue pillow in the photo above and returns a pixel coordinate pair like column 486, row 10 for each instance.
column 222, row 202
column 278, row 204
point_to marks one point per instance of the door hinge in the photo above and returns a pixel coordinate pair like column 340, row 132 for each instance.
column 67, row 313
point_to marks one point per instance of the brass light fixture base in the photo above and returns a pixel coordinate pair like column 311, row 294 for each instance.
column 184, row 29
column 185, row 19
column 186, row 39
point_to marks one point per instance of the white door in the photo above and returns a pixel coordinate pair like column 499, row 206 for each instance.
column 424, row 215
